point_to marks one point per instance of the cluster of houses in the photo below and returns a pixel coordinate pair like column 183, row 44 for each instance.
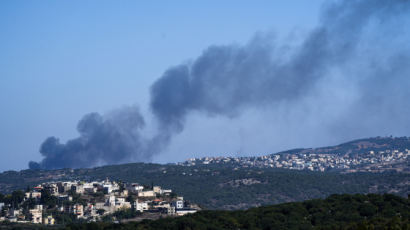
column 371, row 161
column 93, row 200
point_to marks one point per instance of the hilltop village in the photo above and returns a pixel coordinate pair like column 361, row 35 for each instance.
column 371, row 161
column 59, row 202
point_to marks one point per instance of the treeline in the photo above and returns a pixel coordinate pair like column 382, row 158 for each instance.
column 345, row 211
column 221, row 187
column 336, row 212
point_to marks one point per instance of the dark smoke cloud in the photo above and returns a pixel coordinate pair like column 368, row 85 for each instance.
column 227, row 79
column 113, row 138
column 348, row 78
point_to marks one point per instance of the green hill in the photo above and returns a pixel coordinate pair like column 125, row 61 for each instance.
column 335, row 212
column 360, row 146
column 222, row 187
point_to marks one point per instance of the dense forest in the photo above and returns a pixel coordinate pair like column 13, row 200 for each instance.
column 345, row 211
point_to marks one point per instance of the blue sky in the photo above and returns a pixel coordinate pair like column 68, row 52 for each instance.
column 62, row 59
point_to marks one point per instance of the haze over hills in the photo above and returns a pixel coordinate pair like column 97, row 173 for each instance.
column 232, row 113
column 238, row 187
column 364, row 155
column 323, row 86
column 359, row 146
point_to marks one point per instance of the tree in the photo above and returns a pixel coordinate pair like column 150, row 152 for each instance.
column 3, row 211
column 122, row 186
column 29, row 203
column 47, row 198
column 100, row 211
column 130, row 199
column 16, row 198
column 173, row 195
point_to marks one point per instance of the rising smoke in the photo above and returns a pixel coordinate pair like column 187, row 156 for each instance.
column 350, row 75
column 103, row 140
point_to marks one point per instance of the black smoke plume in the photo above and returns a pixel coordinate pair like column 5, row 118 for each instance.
column 350, row 77
column 227, row 79
column 113, row 138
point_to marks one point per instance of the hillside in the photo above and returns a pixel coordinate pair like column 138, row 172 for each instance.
column 335, row 212
column 220, row 187
column 360, row 146
column 365, row 155
column 227, row 186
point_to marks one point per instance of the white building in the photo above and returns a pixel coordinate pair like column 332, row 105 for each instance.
column 140, row 206
column 182, row 212
column 119, row 200
column 37, row 214
column 124, row 193
column 178, row 204
column 166, row 191
column 90, row 188
column 171, row 210
column 111, row 201
column 120, row 203
column 149, row 193
column 157, row 189
column 135, row 188
column 77, row 188
column 108, row 188
column 49, row 220
column 35, row 195
column 78, row 210
column 66, row 186
column 52, row 188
